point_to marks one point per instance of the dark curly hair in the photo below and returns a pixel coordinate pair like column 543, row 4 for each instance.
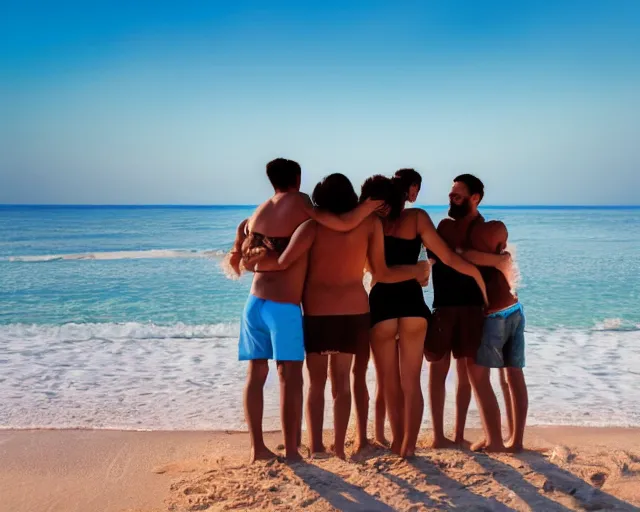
column 381, row 187
column 335, row 194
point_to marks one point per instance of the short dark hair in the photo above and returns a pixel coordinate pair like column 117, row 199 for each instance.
column 335, row 194
column 283, row 174
column 405, row 178
column 381, row 187
column 474, row 185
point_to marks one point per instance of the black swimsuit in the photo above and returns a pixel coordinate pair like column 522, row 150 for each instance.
column 398, row 300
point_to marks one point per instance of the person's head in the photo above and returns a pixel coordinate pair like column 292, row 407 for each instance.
column 381, row 187
column 409, row 182
column 335, row 194
column 284, row 175
column 465, row 196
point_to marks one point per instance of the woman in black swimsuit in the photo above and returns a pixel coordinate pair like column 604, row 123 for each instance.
column 399, row 313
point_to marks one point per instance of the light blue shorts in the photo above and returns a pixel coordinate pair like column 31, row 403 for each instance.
column 502, row 343
column 271, row 330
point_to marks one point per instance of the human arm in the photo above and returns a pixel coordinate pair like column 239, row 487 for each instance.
column 232, row 261
column 343, row 222
column 433, row 241
column 381, row 272
column 301, row 241
column 496, row 237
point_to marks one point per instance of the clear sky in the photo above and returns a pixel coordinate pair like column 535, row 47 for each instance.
column 114, row 102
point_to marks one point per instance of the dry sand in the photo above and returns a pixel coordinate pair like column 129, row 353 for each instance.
column 566, row 468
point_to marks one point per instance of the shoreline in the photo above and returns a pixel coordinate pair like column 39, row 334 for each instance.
column 564, row 468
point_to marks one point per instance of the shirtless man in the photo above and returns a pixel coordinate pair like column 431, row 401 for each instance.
column 271, row 325
column 458, row 312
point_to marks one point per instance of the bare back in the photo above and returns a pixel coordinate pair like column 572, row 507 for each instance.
column 334, row 279
column 278, row 217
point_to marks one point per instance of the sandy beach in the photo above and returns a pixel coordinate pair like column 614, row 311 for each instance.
column 565, row 468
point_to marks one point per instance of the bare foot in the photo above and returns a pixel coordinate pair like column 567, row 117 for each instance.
column 462, row 442
column 483, row 446
column 338, row 453
column 444, row 442
column 479, row 445
column 396, row 446
column 361, row 447
column 261, row 454
column 293, row 457
column 408, row 454
column 320, row 455
column 382, row 441
column 512, row 447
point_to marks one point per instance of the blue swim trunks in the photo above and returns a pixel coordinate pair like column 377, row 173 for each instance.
column 503, row 339
column 271, row 330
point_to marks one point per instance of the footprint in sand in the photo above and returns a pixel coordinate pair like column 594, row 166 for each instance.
column 119, row 464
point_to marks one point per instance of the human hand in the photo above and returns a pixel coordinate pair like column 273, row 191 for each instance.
column 423, row 271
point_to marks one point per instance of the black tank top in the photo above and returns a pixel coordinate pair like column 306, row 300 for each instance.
column 401, row 251
column 451, row 288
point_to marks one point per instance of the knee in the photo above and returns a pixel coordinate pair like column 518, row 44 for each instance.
column 341, row 391
column 290, row 373
column 514, row 376
column 257, row 374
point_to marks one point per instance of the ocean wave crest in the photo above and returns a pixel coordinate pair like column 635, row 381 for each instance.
column 121, row 255
column 118, row 331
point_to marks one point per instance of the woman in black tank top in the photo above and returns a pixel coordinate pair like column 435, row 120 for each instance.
column 399, row 314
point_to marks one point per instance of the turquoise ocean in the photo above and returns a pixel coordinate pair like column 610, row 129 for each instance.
column 121, row 317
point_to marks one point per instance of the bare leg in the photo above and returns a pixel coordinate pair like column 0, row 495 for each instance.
column 254, row 407
column 385, row 357
column 411, row 346
column 438, row 371
column 508, row 402
column 520, row 404
column 381, row 410
column 290, row 373
column 317, row 366
column 489, row 409
column 339, row 371
column 361, row 393
column 463, row 399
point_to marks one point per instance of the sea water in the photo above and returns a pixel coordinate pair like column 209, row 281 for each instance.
column 121, row 317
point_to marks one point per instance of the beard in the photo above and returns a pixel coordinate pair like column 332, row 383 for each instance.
column 458, row 211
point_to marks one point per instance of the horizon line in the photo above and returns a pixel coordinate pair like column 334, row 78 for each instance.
column 243, row 205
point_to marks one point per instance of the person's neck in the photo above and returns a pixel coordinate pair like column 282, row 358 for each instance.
column 286, row 191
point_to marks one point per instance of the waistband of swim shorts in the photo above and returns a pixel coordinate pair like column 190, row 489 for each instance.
column 503, row 313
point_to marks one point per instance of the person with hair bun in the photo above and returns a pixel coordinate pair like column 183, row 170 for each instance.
column 399, row 314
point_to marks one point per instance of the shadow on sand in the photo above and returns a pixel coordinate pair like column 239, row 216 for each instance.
column 336, row 491
column 571, row 488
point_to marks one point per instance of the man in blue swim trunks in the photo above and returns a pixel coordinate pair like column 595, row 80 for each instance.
column 503, row 343
column 271, row 324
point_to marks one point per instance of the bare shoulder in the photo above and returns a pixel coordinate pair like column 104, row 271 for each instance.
column 495, row 228
column 446, row 225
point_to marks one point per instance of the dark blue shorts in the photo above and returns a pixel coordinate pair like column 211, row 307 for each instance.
column 503, row 339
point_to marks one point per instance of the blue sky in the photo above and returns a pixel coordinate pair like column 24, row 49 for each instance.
column 185, row 102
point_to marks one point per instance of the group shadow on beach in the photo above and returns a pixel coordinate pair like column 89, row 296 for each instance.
column 561, row 490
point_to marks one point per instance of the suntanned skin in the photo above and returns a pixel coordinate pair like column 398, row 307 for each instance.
column 334, row 287
column 279, row 216
column 399, row 363
column 489, row 241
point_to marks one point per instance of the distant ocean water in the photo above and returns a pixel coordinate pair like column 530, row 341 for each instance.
column 120, row 317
